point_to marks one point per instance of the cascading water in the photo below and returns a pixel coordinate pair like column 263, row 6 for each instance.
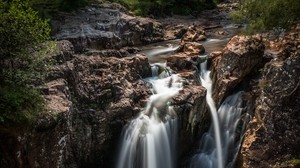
column 220, row 145
column 149, row 140
column 163, row 50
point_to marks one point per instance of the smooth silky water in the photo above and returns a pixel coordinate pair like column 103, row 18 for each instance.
column 220, row 145
column 149, row 141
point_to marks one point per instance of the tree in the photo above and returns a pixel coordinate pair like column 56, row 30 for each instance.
column 267, row 14
column 22, row 44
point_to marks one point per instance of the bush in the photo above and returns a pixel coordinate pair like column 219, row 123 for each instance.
column 161, row 7
column 22, row 48
column 19, row 104
column 267, row 14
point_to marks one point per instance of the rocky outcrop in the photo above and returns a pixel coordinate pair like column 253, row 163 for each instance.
column 272, row 139
column 194, row 34
column 190, row 106
column 107, row 92
column 88, row 101
column 104, row 26
column 234, row 63
column 186, row 57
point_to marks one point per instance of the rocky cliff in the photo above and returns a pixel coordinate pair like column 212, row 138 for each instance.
column 272, row 139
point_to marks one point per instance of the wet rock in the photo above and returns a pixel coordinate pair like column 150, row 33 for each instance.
column 186, row 56
column 181, row 63
column 234, row 63
column 104, row 26
column 190, row 106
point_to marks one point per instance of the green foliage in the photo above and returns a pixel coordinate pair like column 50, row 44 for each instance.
column 22, row 46
column 47, row 7
column 19, row 104
column 267, row 14
column 160, row 7
column 22, row 49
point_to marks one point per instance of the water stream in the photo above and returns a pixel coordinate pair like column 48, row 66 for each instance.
column 149, row 140
column 220, row 145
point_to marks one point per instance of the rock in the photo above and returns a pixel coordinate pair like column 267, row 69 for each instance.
column 181, row 63
column 237, row 60
column 190, row 48
column 194, row 34
column 88, row 101
column 193, row 116
column 186, row 57
column 57, row 101
column 272, row 139
column 102, row 79
column 104, row 26
column 66, row 48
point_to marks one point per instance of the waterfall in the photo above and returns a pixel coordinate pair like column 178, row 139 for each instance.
column 220, row 145
column 149, row 140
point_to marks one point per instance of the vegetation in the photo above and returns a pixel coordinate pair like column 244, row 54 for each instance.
column 267, row 14
column 22, row 48
column 137, row 7
column 45, row 7
column 159, row 7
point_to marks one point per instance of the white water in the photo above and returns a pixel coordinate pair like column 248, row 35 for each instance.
column 149, row 140
column 207, row 83
column 163, row 50
column 219, row 146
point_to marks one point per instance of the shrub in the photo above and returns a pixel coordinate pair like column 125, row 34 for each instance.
column 161, row 7
column 22, row 48
column 19, row 104
column 267, row 14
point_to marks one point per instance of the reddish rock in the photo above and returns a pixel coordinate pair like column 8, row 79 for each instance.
column 186, row 56
column 237, row 60
column 194, row 34
column 272, row 139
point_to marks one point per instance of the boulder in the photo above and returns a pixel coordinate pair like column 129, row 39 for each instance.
column 234, row 63
column 186, row 57
column 190, row 106
column 194, row 34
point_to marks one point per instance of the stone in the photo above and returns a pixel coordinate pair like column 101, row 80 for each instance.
column 272, row 138
column 238, row 58
column 107, row 27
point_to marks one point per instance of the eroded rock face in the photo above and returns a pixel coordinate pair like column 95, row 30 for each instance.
column 236, row 61
column 105, row 26
column 190, row 106
column 272, row 139
column 88, row 101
